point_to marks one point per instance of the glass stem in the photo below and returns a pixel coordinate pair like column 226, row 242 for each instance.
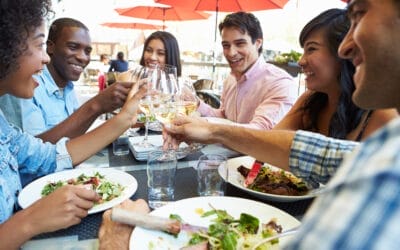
column 146, row 129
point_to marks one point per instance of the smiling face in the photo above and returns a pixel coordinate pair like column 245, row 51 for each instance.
column 372, row 45
column 238, row 49
column 320, row 67
column 20, row 83
column 70, row 54
column 154, row 54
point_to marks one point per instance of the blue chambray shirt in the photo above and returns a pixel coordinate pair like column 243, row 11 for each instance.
column 21, row 153
column 49, row 106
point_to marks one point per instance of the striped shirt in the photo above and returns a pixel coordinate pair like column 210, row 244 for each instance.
column 360, row 208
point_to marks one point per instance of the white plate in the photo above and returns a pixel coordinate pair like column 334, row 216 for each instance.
column 236, row 179
column 186, row 209
column 219, row 120
column 32, row 192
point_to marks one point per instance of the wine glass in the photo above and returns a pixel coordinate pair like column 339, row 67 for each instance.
column 146, row 76
column 128, row 76
column 167, row 89
column 187, row 97
column 187, row 105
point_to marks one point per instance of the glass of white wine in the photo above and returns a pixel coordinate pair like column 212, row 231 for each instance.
column 187, row 105
column 167, row 89
column 187, row 98
column 147, row 76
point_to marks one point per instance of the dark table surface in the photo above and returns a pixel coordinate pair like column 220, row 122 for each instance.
column 185, row 187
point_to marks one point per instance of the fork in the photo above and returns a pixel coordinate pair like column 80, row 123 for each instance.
column 276, row 236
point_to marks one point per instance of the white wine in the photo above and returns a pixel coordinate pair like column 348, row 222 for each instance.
column 186, row 107
column 165, row 117
column 166, row 112
column 145, row 106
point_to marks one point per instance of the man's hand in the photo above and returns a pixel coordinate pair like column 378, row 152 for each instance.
column 187, row 129
column 112, row 97
column 114, row 235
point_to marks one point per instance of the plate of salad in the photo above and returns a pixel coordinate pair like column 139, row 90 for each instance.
column 278, row 185
column 113, row 186
column 206, row 212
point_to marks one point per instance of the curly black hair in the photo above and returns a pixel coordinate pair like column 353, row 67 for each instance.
column 17, row 19
column 347, row 117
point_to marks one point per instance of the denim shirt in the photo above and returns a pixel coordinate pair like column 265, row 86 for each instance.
column 21, row 153
column 49, row 106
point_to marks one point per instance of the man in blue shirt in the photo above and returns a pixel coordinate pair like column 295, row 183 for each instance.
column 54, row 101
column 119, row 65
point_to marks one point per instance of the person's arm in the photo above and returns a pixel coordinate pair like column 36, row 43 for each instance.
column 114, row 235
column 63, row 208
column 84, row 146
column 112, row 66
column 269, row 146
column 108, row 100
column 293, row 120
column 276, row 147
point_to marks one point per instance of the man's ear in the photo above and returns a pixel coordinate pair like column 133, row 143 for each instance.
column 50, row 47
column 258, row 43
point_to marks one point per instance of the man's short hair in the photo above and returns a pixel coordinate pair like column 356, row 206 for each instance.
column 245, row 22
column 57, row 26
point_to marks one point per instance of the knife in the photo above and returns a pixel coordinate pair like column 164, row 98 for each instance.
column 253, row 173
column 153, row 222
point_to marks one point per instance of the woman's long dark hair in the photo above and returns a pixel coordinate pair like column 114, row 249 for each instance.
column 347, row 117
column 172, row 56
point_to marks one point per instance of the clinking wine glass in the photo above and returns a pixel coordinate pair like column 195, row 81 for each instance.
column 187, row 105
column 146, row 76
column 128, row 76
column 187, row 98
column 167, row 88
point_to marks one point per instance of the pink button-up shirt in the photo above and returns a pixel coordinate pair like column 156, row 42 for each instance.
column 259, row 100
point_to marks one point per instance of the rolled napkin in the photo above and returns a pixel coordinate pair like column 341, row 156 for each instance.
column 145, row 220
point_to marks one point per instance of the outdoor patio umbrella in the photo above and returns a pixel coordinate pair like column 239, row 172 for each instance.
column 164, row 13
column 133, row 25
column 225, row 6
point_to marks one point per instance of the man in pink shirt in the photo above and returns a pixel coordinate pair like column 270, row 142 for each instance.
column 256, row 94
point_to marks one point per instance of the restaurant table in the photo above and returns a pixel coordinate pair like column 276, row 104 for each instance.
column 185, row 187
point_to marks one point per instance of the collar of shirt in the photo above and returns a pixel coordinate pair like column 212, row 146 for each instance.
column 253, row 70
column 51, row 86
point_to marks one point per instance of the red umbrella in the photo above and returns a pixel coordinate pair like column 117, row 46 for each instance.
column 132, row 25
column 227, row 5
column 164, row 13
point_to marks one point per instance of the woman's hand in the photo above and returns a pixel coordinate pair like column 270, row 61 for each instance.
column 131, row 106
column 114, row 235
column 63, row 208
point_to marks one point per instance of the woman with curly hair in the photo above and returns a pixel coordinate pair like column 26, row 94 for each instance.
column 22, row 55
column 327, row 107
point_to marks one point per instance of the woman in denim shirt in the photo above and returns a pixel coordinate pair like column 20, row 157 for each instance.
column 22, row 55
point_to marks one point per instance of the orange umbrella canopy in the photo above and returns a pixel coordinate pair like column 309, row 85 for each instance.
column 166, row 13
column 133, row 25
column 226, row 5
